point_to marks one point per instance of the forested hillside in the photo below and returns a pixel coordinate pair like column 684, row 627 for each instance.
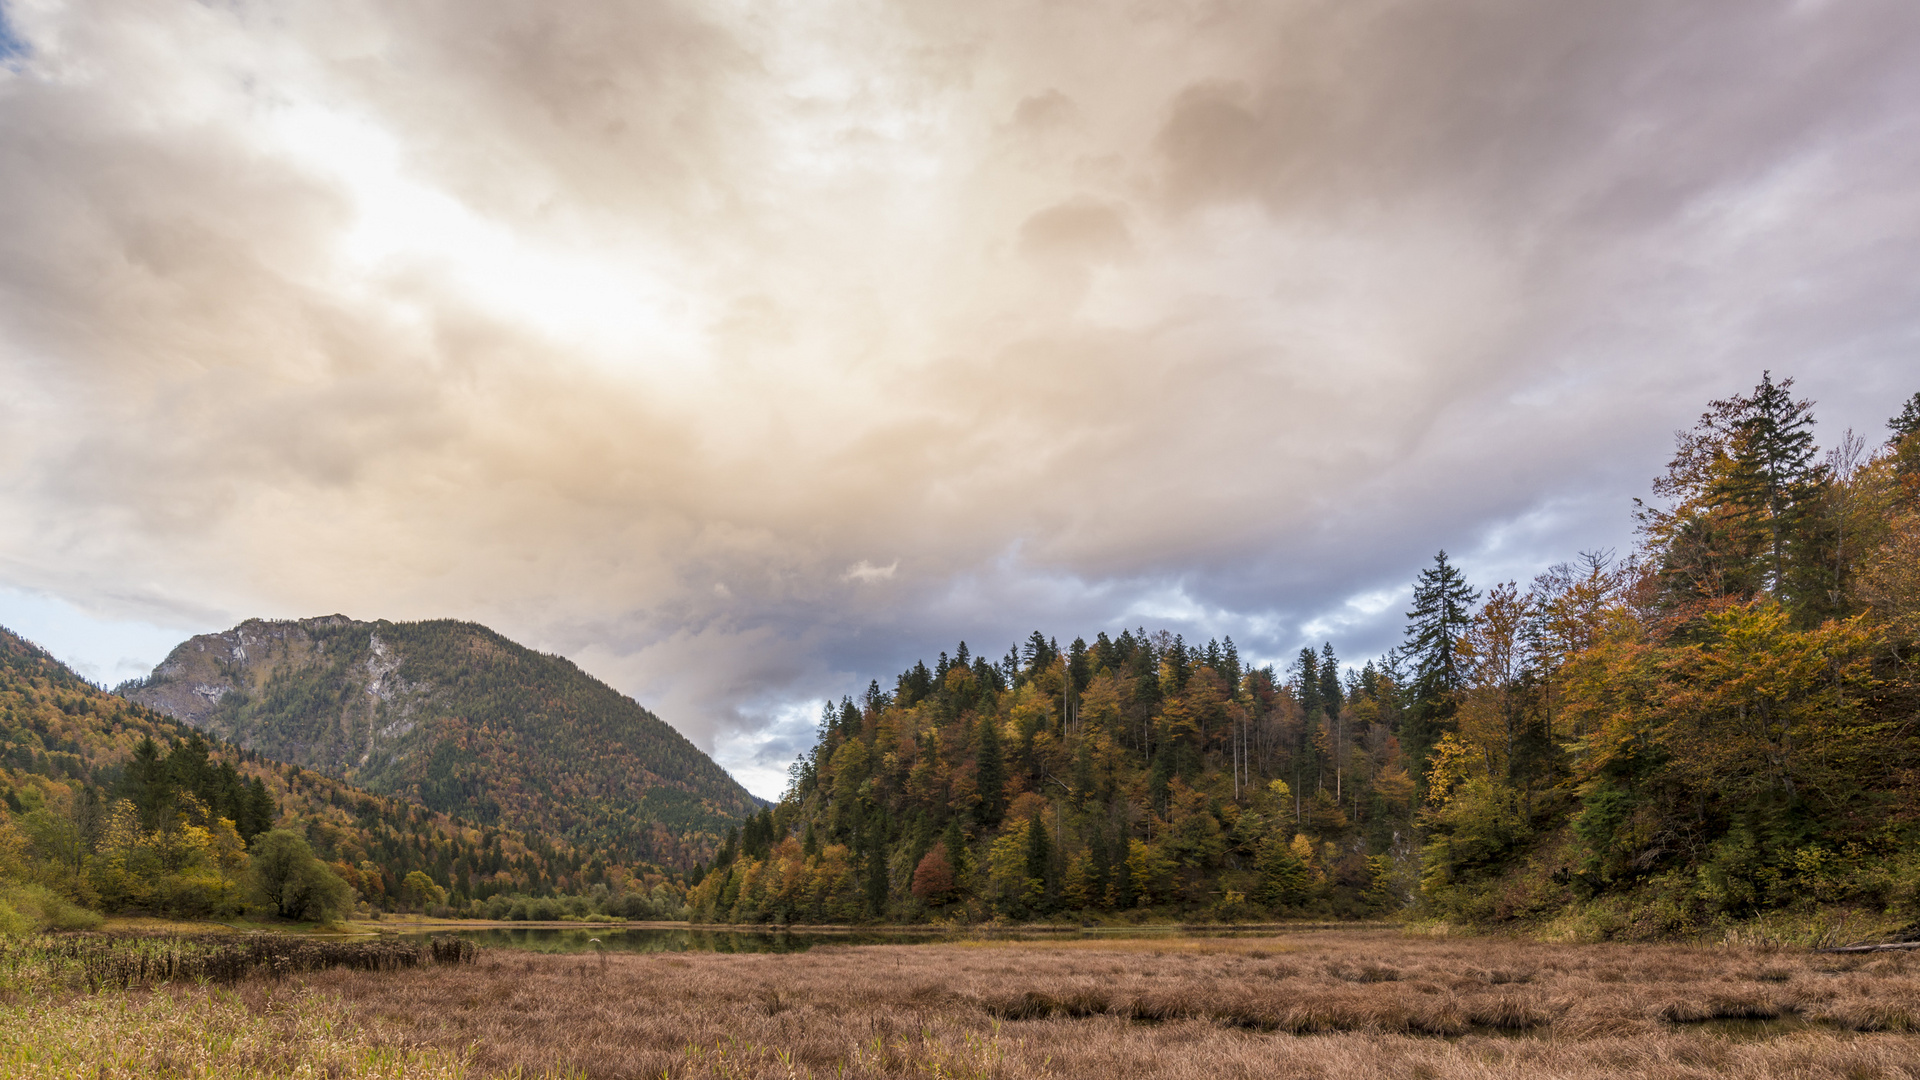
column 459, row 719
column 1722, row 723
column 110, row 806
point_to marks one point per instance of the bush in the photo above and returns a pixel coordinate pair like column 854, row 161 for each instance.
column 293, row 883
column 196, row 894
column 40, row 908
column 12, row 923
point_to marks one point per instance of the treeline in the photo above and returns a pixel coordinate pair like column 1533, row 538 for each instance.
column 107, row 806
column 1133, row 773
column 1720, row 724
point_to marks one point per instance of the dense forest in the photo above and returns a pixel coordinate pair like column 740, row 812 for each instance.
column 108, row 806
column 1719, row 724
column 457, row 718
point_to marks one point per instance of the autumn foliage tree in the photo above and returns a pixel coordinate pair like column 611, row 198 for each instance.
column 1724, row 723
column 1719, row 723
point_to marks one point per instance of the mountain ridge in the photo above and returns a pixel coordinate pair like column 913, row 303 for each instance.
column 67, row 747
column 460, row 718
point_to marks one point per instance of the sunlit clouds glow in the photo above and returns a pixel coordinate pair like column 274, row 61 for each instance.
column 746, row 352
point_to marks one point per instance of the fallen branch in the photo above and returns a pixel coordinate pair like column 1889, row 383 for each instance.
column 1888, row 947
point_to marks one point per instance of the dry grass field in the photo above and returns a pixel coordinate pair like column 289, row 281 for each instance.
column 1331, row 1004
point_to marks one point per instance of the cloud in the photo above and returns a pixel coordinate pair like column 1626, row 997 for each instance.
column 1075, row 231
column 635, row 330
column 867, row 572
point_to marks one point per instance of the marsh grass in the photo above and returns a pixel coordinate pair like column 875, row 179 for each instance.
column 146, row 1006
column 125, row 961
column 203, row 1033
column 1331, row 1005
column 1336, row 1004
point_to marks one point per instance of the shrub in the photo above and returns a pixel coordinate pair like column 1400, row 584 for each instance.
column 12, row 923
column 198, row 893
column 40, row 908
column 293, row 883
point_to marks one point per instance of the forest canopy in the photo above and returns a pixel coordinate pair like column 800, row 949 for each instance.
column 1719, row 723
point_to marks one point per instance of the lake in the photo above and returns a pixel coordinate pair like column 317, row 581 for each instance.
column 657, row 939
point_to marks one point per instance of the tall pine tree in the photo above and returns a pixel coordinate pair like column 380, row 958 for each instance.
column 1773, row 469
column 990, row 764
column 1442, row 612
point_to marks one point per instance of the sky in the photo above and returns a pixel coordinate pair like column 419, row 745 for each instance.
column 744, row 351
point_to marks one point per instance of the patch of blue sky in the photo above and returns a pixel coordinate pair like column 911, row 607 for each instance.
column 101, row 649
column 12, row 45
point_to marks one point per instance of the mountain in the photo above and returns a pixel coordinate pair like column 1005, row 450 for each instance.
column 460, row 719
column 69, row 752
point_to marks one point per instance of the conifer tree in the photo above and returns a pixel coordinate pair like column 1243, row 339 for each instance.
column 955, row 840
column 991, row 772
column 1309, row 665
column 1331, row 700
column 1905, row 442
column 145, row 780
column 1330, row 694
column 1039, row 863
column 1774, row 467
column 1907, row 422
column 877, row 885
column 1442, row 612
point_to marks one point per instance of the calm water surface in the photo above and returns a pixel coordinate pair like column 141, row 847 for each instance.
column 656, row 939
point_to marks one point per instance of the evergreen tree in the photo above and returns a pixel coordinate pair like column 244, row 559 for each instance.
column 1038, row 653
column 1908, row 422
column 914, row 685
column 828, row 738
column 955, row 839
column 1308, row 665
column 877, row 885
column 1905, row 442
column 145, row 781
column 1079, row 665
column 1178, row 666
column 1774, row 468
column 1330, row 694
column 1442, row 612
column 260, row 813
column 1284, row 879
column 1039, row 864
column 991, row 772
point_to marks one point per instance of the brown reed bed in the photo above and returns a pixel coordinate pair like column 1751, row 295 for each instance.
column 145, row 1007
column 121, row 961
column 1333, row 1004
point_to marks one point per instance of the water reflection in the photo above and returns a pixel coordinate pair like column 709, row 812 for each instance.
column 658, row 940
column 655, row 939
